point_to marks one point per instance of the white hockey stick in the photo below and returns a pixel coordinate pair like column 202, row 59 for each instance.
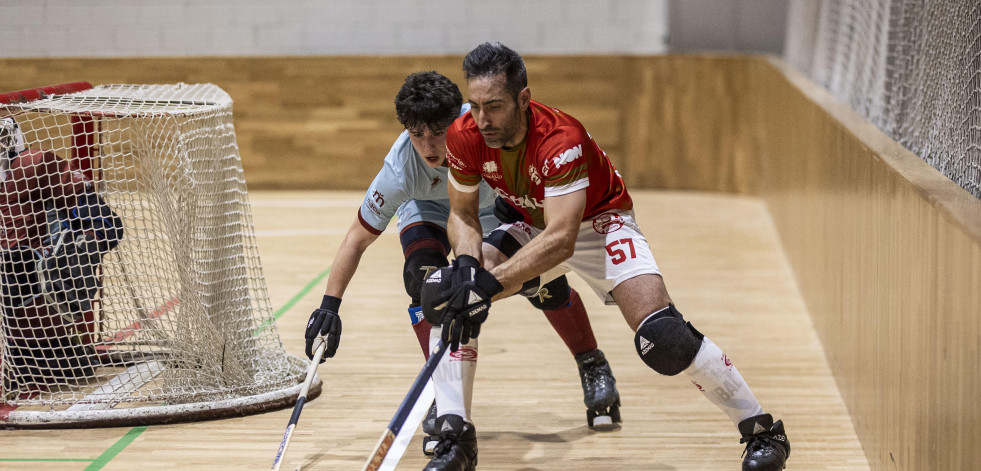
column 311, row 372
column 387, row 439
column 404, row 437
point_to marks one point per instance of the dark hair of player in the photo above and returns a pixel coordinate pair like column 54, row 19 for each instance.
column 430, row 99
column 490, row 59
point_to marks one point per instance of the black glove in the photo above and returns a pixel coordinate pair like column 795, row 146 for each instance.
column 93, row 215
column 466, row 302
column 506, row 212
column 324, row 324
column 70, row 275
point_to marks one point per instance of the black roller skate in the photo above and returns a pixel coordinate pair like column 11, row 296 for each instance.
column 429, row 428
column 599, row 390
column 767, row 446
column 457, row 447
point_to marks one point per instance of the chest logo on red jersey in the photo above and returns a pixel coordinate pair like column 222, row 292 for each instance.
column 525, row 201
column 490, row 170
column 533, row 173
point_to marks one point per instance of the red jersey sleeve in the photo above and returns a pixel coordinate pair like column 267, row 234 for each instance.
column 566, row 149
column 464, row 172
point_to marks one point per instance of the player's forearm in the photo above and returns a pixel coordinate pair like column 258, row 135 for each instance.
column 543, row 253
column 464, row 232
column 463, row 225
column 348, row 258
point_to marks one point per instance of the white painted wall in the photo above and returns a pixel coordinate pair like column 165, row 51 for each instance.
column 140, row 28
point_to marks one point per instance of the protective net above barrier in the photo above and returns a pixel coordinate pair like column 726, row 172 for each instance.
column 912, row 68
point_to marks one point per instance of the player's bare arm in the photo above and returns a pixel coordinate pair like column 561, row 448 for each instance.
column 348, row 257
column 463, row 225
column 563, row 216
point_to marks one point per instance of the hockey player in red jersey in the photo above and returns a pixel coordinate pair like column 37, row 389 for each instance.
column 576, row 216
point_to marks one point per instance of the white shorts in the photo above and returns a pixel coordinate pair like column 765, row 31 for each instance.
column 610, row 249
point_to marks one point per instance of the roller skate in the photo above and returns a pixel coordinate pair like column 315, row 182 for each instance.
column 457, row 447
column 767, row 446
column 599, row 389
column 429, row 428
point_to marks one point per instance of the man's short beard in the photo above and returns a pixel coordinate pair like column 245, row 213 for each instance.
column 507, row 133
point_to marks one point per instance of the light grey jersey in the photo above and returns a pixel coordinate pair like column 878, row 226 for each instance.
column 405, row 177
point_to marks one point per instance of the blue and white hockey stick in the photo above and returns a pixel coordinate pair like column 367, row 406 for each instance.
column 388, row 436
column 302, row 399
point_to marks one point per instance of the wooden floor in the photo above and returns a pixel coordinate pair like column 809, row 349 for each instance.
column 723, row 266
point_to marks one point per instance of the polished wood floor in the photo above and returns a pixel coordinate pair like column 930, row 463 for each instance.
column 723, row 265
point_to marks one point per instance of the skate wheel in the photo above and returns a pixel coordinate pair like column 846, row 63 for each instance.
column 602, row 421
column 429, row 445
column 615, row 412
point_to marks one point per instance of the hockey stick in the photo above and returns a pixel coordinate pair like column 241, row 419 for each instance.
column 311, row 372
column 388, row 436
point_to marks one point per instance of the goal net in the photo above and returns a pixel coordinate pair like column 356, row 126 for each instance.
column 911, row 67
column 132, row 288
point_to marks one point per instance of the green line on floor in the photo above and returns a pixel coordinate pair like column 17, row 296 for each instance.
column 114, row 450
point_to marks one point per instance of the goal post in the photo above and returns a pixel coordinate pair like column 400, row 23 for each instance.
column 165, row 320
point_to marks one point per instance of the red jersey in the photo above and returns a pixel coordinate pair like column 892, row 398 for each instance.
column 34, row 178
column 557, row 157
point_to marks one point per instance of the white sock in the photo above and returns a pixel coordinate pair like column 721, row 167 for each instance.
column 714, row 375
column 453, row 378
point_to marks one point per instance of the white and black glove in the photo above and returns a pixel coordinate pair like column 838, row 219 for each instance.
column 324, row 325
column 466, row 302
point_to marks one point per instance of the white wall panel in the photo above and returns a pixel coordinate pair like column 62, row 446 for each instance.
column 126, row 28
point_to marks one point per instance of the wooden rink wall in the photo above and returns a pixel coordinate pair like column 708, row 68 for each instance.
column 887, row 252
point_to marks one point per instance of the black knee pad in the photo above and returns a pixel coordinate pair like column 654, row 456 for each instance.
column 553, row 295
column 18, row 274
column 439, row 281
column 418, row 265
column 667, row 343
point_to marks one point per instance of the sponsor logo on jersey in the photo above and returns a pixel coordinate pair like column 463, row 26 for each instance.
column 524, row 202
column 490, row 170
column 607, row 222
column 379, row 198
column 454, row 161
column 436, row 181
column 534, row 175
column 568, row 156
column 464, row 353
column 373, row 208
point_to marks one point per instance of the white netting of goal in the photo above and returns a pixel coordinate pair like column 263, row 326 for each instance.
column 911, row 67
column 167, row 319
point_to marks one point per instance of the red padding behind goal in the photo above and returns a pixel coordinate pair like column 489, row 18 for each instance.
column 31, row 94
